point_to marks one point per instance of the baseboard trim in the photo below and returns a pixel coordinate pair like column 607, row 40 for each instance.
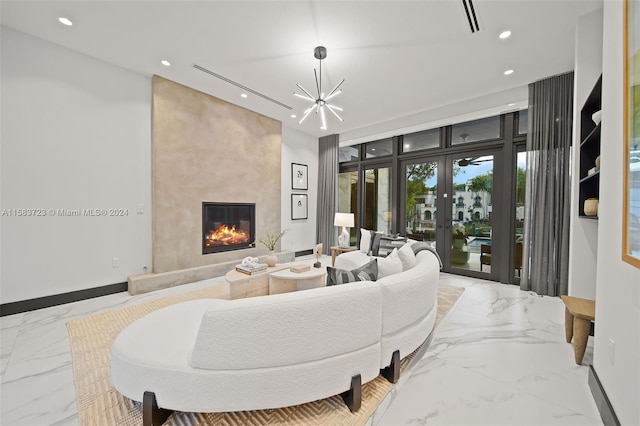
column 60, row 299
column 304, row 252
column 605, row 408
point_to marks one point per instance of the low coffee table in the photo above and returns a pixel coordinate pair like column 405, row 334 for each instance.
column 285, row 280
column 244, row 285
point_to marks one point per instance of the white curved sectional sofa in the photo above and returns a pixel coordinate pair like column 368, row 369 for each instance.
column 214, row 355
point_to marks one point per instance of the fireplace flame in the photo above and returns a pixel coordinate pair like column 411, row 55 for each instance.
column 225, row 236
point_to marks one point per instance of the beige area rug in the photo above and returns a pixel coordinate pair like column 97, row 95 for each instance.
column 100, row 404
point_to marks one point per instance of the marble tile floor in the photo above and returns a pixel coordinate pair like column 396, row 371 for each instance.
column 499, row 357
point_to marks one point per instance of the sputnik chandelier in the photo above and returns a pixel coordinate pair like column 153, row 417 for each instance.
column 321, row 101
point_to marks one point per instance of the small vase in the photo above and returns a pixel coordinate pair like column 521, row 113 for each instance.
column 591, row 207
column 271, row 259
column 458, row 244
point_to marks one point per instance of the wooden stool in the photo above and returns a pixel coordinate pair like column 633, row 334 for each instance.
column 577, row 323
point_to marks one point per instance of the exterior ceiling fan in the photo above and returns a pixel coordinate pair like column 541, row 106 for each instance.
column 473, row 161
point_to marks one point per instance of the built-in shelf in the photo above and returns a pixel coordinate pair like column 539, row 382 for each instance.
column 589, row 184
column 595, row 175
column 592, row 137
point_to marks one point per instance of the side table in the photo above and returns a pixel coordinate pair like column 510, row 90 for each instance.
column 577, row 323
column 336, row 250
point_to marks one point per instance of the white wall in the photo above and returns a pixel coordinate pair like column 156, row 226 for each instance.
column 583, row 242
column 75, row 135
column 618, row 283
column 299, row 148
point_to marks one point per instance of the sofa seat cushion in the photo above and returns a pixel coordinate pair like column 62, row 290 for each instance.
column 169, row 333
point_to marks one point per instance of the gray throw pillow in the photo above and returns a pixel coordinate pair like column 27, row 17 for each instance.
column 383, row 244
column 368, row 272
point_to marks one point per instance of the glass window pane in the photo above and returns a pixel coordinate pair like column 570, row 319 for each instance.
column 471, row 231
column 377, row 204
column 421, row 140
column 521, row 180
column 477, row 130
column 523, row 122
column 348, row 199
column 421, row 201
column 379, row 148
column 348, row 153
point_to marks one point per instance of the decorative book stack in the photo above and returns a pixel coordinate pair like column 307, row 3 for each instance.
column 252, row 269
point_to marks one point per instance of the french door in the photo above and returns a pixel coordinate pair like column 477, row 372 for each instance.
column 452, row 202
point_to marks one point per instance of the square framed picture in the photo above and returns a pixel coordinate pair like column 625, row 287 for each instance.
column 298, row 206
column 299, row 178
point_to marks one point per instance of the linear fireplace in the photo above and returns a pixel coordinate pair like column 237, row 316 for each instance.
column 228, row 226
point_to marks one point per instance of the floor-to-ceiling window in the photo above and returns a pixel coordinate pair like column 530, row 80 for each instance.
column 519, row 182
column 442, row 186
column 377, row 199
column 472, row 207
column 421, row 195
column 348, row 199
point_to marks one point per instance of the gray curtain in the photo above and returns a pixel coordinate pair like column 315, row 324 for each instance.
column 548, row 189
column 327, row 184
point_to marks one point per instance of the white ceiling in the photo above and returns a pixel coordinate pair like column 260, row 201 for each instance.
column 398, row 57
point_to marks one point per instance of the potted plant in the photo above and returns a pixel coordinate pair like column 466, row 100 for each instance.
column 459, row 236
column 270, row 243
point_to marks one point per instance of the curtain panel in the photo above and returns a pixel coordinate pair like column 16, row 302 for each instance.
column 327, row 190
column 548, row 187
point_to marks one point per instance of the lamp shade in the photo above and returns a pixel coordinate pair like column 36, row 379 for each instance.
column 344, row 219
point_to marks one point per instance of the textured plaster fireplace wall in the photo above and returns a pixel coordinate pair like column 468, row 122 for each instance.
column 207, row 149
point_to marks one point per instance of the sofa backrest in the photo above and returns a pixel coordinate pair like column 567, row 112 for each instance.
column 410, row 295
column 289, row 328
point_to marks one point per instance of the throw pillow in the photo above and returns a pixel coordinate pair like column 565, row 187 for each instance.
column 389, row 265
column 407, row 257
column 368, row 272
column 383, row 244
column 365, row 240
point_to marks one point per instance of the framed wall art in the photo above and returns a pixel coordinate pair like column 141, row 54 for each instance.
column 299, row 178
column 631, row 166
column 298, row 206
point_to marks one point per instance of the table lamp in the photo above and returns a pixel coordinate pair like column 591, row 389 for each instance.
column 345, row 220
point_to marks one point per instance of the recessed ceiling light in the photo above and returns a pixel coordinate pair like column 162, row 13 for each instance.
column 407, row 145
column 165, row 63
column 65, row 21
column 293, row 116
column 505, row 34
column 373, row 149
column 244, row 95
column 511, row 104
column 508, row 72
